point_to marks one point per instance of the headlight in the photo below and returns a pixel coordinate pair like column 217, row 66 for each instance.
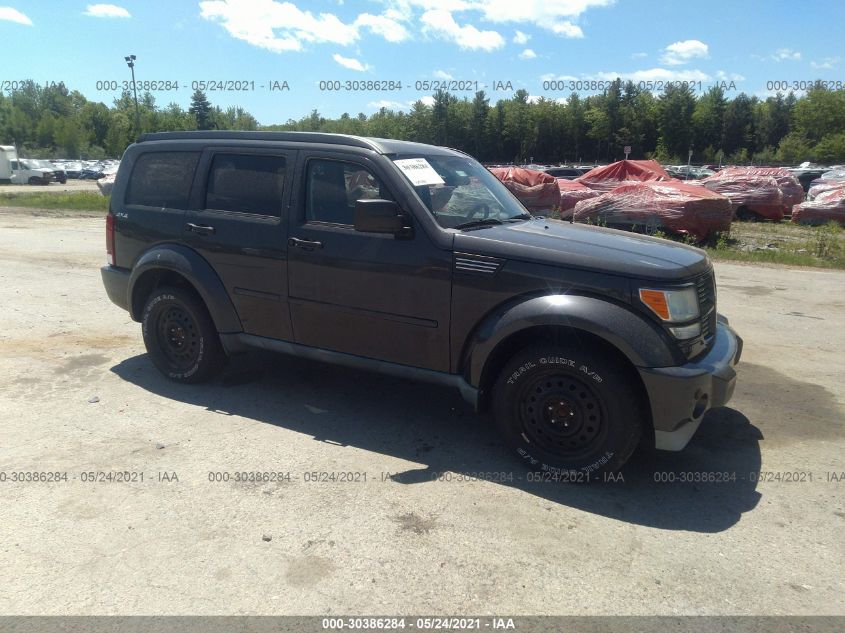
column 674, row 306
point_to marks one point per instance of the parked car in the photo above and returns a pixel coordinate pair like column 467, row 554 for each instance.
column 415, row 261
column 807, row 174
column 25, row 171
column 567, row 173
column 72, row 168
column 59, row 174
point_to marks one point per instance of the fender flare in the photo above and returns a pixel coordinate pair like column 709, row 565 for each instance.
column 641, row 342
column 198, row 272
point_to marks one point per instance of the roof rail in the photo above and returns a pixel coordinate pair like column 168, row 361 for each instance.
column 299, row 137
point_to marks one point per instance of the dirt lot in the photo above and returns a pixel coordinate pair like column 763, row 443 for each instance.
column 53, row 187
column 79, row 396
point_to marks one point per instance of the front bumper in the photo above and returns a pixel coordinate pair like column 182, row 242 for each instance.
column 116, row 281
column 680, row 396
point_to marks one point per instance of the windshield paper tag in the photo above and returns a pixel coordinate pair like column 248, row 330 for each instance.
column 419, row 171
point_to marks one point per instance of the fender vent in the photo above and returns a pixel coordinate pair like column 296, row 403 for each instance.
column 478, row 264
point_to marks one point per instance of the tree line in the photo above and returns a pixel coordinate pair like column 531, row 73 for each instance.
column 781, row 129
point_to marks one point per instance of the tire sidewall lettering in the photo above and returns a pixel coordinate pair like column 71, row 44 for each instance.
column 553, row 360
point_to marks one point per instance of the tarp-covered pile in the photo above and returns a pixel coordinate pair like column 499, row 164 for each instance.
column 756, row 193
column 793, row 192
column 536, row 190
column 674, row 206
column 822, row 186
column 827, row 206
column 611, row 176
column 571, row 193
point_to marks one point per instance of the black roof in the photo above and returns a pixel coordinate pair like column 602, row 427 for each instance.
column 380, row 145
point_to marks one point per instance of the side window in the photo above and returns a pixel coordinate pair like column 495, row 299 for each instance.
column 162, row 179
column 247, row 183
column 333, row 187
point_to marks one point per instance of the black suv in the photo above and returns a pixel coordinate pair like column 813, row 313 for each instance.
column 414, row 260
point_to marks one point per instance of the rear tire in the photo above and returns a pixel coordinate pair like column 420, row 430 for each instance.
column 745, row 214
column 180, row 336
column 568, row 411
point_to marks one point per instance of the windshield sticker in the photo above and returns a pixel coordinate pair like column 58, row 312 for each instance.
column 419, row 171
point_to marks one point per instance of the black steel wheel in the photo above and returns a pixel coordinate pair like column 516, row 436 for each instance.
column 568, row 411
column 180, row 336
column 561, row 413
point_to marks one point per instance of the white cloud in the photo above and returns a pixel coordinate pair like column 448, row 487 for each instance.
column 13, row 15
column 553, row 77
column 827, row 63
column 567, row 29
column 683, row 52
column 527, row 54
column 282, row 26
column 350, row 63
column 554, row 15
column 106, row 11
column 427, row 100
column 387, row 26
column 521, row 38
column 442, row 74
column 654, row 74
column 384, row 103
column 441, row 24
column 723, row 76
column 786, row 54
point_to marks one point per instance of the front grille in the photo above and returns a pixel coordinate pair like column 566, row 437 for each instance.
column 706, row 288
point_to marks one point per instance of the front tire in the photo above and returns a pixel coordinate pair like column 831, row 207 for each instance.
column 180, row 336
column 568, row 411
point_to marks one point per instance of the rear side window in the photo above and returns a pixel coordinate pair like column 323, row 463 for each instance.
column 246, row 183
column 162, row 179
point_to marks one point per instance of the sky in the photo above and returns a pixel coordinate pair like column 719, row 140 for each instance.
column 280, row 60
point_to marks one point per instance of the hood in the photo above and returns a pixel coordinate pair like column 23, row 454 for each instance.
column 586, row 247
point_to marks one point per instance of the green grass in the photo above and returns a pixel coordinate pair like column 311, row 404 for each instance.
column 769, row 242
column 781, row 243
column 76, row 201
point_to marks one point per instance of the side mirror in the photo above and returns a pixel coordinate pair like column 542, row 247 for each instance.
column 379, row 216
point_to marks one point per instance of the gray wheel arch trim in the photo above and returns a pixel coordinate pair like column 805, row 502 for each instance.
column 199, row 273
column 639, row 341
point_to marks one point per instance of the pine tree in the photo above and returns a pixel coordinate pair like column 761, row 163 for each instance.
column 201, row 109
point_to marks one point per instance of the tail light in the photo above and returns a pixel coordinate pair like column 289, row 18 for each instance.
column 110, row 239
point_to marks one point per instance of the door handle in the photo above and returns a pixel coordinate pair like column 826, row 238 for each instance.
column 307, row 245
column 199, row 229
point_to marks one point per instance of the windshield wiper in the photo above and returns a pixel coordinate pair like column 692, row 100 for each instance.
column 478, row 223
column 520, row 217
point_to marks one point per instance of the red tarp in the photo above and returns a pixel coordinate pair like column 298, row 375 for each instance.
column 760, row 194
column 674, row 206
column 536, row 190
column 571, row 193
column 823, row 186
column 827, row 206
column 611, row 176
column 791, row 189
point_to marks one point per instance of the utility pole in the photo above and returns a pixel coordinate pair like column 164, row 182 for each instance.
column 130, row 61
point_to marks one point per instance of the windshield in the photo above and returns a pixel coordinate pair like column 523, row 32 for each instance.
column 457, row 190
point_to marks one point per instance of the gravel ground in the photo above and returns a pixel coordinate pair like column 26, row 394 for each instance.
column 53, row 187
column 79, row 396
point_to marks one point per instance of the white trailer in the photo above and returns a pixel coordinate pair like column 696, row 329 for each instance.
column 8, row 153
